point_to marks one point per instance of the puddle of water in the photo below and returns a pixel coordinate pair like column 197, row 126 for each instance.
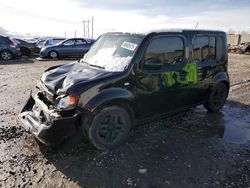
column 234, row 121
column 236, row 134
column 237, row 125
column 237, row 131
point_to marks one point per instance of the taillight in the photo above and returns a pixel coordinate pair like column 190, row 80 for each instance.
column 11, row 44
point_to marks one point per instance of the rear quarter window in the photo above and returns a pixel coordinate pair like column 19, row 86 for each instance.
column 204, row 48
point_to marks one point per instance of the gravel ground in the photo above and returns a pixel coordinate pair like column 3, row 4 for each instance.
column 191, row 149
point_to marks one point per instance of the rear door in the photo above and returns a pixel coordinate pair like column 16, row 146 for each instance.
column 81, row 47
column 204, row 57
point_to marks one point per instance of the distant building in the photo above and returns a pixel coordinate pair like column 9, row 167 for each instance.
column 236, row 39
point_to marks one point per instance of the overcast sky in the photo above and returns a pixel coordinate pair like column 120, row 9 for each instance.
column 57, row 17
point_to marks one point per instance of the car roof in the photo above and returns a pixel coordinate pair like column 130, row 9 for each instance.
column 196, row 31
column 4, row 36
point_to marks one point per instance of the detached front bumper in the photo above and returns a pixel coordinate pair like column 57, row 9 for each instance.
column 47, row 125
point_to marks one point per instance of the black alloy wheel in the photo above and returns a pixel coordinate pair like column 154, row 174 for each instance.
column 110, row 127
column 217, row 98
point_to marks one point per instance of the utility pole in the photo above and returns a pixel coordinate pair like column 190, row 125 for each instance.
column 86, row 27
column 83, row 25
column 197, row 24
column 92, row 27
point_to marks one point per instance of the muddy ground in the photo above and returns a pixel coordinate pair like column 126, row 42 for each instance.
column 191, row 149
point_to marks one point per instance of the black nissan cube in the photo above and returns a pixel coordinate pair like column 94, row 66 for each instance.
column 126, row 77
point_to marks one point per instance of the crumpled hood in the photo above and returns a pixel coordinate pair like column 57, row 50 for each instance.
column 62, row 77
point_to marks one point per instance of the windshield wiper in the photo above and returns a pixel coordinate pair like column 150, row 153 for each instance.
column 91, row 65
column 96, row 66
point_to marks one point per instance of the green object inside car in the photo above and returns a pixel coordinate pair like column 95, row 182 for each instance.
column 188, row 75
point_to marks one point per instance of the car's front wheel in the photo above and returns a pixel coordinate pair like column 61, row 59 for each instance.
column 217, row 97
column 53, row 54
column 109, row 127
column 6, row 55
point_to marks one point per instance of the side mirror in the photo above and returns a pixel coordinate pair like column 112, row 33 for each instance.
column 153, row 64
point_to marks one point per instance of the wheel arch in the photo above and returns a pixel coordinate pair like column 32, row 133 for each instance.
column 222, row 77
column 112, row 96
column 101, row 101
column 121, row 102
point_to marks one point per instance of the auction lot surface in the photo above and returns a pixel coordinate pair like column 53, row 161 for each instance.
column 191, row 149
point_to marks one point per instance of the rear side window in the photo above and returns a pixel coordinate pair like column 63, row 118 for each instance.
column 168, row 50
column 80, row 42
column 204, row 48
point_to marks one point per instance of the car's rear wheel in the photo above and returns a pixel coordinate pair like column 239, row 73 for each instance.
column 6, row 55
column 53, row 54
column 217, row 97
column 109, row 127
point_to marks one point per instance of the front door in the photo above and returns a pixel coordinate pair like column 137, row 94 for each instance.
column 67, row 48
column 164, row 72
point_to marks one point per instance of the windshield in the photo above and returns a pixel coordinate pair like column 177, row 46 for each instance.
column 113, row 52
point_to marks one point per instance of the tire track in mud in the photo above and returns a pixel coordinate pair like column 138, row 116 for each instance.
column 240, row 83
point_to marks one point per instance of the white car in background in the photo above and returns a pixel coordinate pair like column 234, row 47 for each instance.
column 45, row 42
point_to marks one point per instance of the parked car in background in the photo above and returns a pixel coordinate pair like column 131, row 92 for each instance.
column 8, row 48
column 39, row 43
column 52, row 41
column 74, row 47
column 242, row 48
column 26, row 47
column 48, row 41
column 125, row 78
column 246, row 47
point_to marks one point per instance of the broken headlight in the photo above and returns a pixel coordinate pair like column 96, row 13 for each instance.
column 67, row 102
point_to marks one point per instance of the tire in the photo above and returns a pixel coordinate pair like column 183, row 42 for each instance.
column 109, row 127
column 53, row 54
column 247, row 50
column 6, row 55
column 25, row 51
column 217, row 97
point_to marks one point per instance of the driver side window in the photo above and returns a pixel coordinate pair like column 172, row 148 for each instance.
column 167, row 50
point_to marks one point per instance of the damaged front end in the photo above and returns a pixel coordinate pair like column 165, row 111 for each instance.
column 45, row 121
